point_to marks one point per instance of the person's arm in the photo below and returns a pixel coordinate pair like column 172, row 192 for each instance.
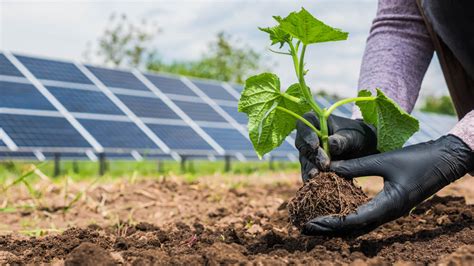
column 464, row 130
column 397, row 53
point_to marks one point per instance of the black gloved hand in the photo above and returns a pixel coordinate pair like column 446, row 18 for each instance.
column 411, row 175
column 348, row 139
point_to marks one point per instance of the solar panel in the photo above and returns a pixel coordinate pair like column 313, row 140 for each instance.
column 21, row 95
column 148, row 107
column 104, row 120
column 7, row 68
column 170, row 85
column 285, row 147
column 214, row 91
column 2, row 144
column 114, row 134
column 53, row 70
column 69, row 155
column 17, row 155
column 346, row 110
column 238, row 88
column 180, row 137
column 118, row 78
column 437, row 124
column 199, row 111
column 85, row 101
column 229, row 139
column 39, row 131
column 241, row 118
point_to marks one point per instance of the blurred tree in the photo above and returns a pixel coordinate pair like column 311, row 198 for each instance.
column 440, row 105
column 124, row 43
column 227, row 60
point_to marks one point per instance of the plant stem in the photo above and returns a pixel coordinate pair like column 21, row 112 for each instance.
column 291, row 98
column 299, row 68
column 302, row 119
column 304, row 88
column 294, row 55
column 323, row 125
column 277, row 52
column 344, row 101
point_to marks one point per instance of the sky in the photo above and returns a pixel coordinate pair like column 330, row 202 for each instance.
column 62, row 30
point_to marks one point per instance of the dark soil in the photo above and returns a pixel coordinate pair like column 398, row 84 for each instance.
column 439, row 230
column 88, row 254
column 324, row 194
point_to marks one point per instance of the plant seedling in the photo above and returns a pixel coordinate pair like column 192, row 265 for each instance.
column 273, row 113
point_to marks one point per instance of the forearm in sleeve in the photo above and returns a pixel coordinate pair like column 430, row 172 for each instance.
column 397, row 53
column 464, row 129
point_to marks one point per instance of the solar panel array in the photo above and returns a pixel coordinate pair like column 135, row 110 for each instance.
column 50, row 106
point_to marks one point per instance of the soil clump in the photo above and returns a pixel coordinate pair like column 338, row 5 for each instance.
column 325, row 194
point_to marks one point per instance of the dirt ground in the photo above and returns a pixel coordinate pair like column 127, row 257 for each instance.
column 219, row 220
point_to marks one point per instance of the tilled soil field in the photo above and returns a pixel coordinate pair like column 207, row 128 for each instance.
column 202, row 223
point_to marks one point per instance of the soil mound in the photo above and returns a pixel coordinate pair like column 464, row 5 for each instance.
column 324, row 194
column 89, row 254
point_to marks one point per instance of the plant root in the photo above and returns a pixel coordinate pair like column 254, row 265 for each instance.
column 324, row 194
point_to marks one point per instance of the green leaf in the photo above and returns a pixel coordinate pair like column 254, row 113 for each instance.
column 277, row 35
column 394, row 125
column 303, row 26
column 268, row 126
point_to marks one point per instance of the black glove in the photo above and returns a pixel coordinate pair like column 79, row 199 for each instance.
column 348, row 139
column 411, row 175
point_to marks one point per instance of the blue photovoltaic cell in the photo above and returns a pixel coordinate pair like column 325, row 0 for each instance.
column 53, row 70
column 239, row 117
column 170, row 85
column 7, row 68
column 438, row 124
column 230, row 139
column 2, row 144
column 69, row 155
column 214, row 91
column 20, row 95
column 113, row 134
column 17, row 155
column 199, row 111
column 83, row 101
column 180, row 137
column 238, row 88
column 38, row 131
column 118, row 78
column 285, row 147
column 148, row 107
